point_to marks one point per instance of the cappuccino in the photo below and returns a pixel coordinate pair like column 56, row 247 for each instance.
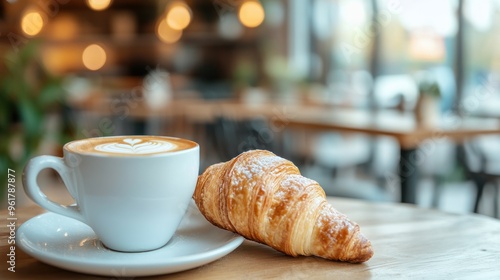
column 133, row 191
column 130, row 145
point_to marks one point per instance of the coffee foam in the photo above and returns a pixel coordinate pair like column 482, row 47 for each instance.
column 130, row 145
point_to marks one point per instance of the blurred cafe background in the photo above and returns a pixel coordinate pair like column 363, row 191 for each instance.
column 235, row 75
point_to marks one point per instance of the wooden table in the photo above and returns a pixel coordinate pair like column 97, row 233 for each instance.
column 401, row 126
column 409, row 242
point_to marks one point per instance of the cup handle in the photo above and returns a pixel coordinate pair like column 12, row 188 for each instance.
column 32, row 189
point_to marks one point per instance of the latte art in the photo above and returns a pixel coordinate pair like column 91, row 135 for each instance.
column 136, row 146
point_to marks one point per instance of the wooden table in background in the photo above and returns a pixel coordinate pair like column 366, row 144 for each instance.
column 401, row 126
column 409, row 242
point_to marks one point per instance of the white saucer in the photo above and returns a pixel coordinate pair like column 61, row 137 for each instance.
column 67, row 243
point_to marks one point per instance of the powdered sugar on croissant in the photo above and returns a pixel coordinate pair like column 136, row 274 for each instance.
column 264, row 198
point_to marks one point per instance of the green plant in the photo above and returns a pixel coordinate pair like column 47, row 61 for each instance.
column 429, row 88
column 28, row 93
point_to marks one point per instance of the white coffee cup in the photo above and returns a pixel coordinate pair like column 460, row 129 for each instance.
column 131, row 190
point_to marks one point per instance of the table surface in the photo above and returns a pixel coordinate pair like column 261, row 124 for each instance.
column 409, row 242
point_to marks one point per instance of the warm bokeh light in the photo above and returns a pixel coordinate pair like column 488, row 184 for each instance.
column 94, row 57
column 425, row 46
column 167, row 34
column 32, row 23
column 98, row 5
column 251, row 14
column 60, row 59
column 63, row 27
column 178, row 16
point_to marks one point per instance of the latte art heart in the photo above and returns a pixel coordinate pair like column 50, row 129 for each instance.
column 136, row 146
column 132, row 141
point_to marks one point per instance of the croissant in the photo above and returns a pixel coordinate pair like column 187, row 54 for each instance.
column 264, row 198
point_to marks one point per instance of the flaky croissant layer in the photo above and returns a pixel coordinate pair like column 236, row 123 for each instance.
column 264, row 198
